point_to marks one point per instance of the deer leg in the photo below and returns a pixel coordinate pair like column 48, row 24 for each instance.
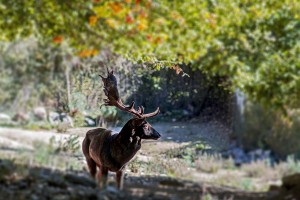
column 90, row 162
column 102, row 176
column 92, row 166
column 119, row 179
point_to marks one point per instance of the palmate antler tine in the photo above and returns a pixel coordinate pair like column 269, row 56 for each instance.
column 130, row 109
column 141, row 110
column 131, row 106
column 112, row 94
column 101, row 76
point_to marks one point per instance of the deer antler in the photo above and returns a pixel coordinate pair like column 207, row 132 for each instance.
column 113, row 99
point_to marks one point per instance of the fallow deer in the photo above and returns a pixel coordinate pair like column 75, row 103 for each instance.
column 112, row 152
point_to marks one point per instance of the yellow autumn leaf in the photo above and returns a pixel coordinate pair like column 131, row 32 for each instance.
column 143, row 24
column 112, row 23
column 116, row 7
column 102, row 11
column 93, row 20
column 160, row 21
column 164, row 36
column 87, row 53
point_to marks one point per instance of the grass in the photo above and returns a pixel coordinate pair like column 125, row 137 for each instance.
column 186, row 162
column 61, row 154
column 209, row 163
column 189, row 163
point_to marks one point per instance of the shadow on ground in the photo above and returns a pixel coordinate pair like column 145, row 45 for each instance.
column 24, row 182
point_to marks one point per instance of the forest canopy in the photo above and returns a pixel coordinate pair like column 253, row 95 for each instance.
column 254, row 43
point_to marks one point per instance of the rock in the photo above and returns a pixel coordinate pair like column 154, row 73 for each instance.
column 54, row 118
column 171, row 182
column 40, row 113
column 6, row 168
column 290, row 188
column 68, row 120
column 112, row 189
column 274, row 188
column 291, row 181
column 57, row 181
column 4, row 118
column 21, row 117
column 80, row 180
column 89, row 121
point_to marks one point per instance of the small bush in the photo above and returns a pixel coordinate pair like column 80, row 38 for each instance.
column 70, row 144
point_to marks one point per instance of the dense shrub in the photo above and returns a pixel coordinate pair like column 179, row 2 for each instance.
column 266, row 129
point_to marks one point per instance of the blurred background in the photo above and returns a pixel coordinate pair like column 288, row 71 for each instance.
column 225, row 74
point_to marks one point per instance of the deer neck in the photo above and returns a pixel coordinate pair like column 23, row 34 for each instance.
column 126, row 145
column 128, row 139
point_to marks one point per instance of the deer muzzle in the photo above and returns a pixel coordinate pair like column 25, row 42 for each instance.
column 155, row 135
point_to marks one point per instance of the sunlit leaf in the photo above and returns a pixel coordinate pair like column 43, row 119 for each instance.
column 93, row 20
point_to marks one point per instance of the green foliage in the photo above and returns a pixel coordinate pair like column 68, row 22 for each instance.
column 31, row 71
column 254, row 43
column 246, row 184
column 44, row 152
column 37, row 126
column 189, row 154
column 70, row 144
column 153, row 166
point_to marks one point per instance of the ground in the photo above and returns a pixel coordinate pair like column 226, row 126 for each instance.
column 173, row 167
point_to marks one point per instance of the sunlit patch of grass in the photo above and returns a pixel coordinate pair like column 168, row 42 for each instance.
column 189, row 153
column 156, row 166
column 153, row 167
column 264, row 171
column 291, row 166
column 258, row 169
column 236, row 181
column 177, row 168
column 61, row 154
column 209, row 163
column 207, row 197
